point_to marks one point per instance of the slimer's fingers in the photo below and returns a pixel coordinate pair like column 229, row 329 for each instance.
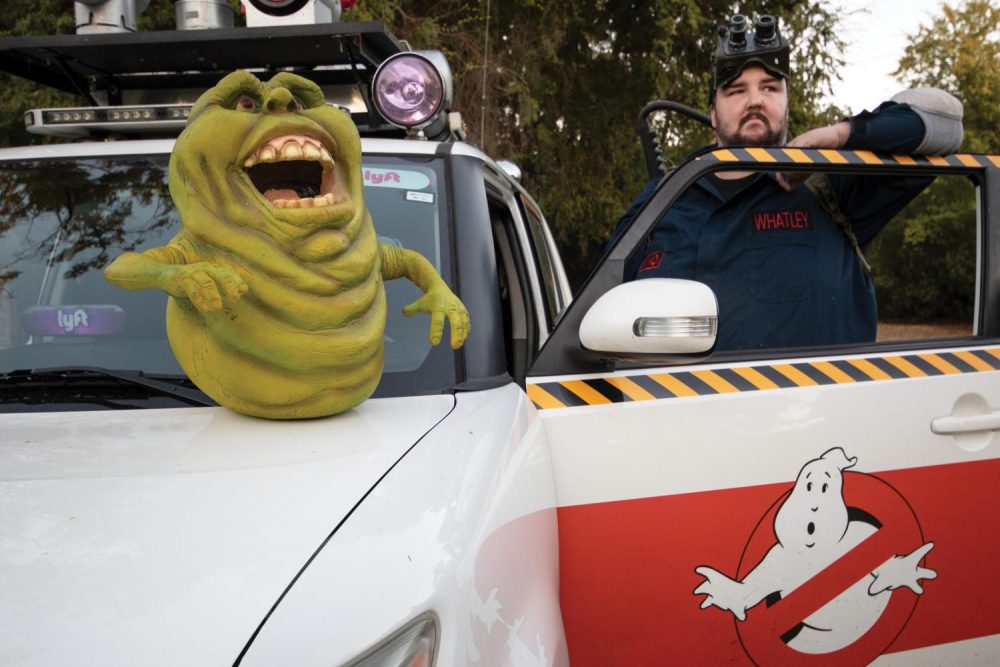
column 201, row 291
column 440, row 307
column 437, row 327
column 459, row 318
column 233, row 285
column 205, row 284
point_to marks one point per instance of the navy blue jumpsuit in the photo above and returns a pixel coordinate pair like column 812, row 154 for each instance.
column 783, row 271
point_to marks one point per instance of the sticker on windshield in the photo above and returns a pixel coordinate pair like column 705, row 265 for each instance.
column 425, row 197
column 94, row 320
column 403, row 179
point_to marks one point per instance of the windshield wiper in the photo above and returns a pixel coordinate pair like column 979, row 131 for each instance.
column 69, row 375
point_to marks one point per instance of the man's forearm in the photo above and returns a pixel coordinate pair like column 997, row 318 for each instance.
column 926, row 121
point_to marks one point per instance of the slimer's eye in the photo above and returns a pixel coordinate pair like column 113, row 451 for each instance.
column 246, row 103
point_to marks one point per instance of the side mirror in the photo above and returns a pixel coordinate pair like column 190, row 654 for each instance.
column 651, row 317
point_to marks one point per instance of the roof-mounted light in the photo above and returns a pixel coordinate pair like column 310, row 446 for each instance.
column 79, row 122
column 412, row 90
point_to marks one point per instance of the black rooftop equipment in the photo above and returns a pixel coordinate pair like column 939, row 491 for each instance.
column 175, row 66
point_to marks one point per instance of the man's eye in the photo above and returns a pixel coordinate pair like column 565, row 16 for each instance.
column 246, row 103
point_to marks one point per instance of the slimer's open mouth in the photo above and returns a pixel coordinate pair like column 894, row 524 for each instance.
column 294, row 171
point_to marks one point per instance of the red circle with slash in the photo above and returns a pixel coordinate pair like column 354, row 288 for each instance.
column 900, row 534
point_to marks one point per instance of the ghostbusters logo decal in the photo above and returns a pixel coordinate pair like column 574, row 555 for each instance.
column 831, row 573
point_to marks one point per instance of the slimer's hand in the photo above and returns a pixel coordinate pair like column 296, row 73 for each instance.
column 438, row 301
column 205, row 284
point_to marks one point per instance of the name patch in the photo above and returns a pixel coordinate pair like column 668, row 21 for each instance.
column 767, row 222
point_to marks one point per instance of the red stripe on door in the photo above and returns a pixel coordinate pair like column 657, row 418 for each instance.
column 627, row 568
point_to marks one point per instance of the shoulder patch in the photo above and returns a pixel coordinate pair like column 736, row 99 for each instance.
column 652, row 261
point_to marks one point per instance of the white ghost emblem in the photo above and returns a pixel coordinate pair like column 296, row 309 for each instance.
column 814, row 529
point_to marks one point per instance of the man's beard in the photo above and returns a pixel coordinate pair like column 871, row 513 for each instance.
column 774, row 136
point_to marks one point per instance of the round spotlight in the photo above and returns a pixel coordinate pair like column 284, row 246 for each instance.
column 279, row 7
column 409, row 91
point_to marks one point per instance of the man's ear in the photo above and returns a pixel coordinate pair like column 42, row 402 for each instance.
column 711, row 114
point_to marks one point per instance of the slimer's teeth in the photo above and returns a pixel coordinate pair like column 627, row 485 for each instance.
column 307, row 202
column 291, row 151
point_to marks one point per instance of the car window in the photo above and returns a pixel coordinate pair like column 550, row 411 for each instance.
column 63, row 220
column 512, row 282
column 924, row 264
column 786, row 275
column 547, row 268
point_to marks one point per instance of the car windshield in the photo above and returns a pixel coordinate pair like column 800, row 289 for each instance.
column 63, row 220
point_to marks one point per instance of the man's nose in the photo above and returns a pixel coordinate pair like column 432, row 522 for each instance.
column 280, row 100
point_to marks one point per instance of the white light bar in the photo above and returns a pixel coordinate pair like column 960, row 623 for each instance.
column 676, row 327
column 84, row 121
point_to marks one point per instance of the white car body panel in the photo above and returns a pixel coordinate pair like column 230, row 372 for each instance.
column 164, row 536
column 464, row 527
column 675, row 504
column 732, row 440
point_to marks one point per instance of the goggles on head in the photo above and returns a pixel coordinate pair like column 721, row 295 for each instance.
column 739, row 47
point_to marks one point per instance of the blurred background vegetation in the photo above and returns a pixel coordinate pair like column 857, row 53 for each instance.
column 557, row 86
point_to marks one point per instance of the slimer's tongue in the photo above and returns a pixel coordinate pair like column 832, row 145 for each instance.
column 286, row 193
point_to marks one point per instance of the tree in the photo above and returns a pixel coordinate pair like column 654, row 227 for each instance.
column 925, row 268
column 557, row 87
column 960, row 52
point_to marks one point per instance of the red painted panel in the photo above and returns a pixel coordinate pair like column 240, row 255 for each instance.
column 627, row 568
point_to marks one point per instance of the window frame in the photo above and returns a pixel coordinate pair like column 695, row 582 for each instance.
column 564, row 354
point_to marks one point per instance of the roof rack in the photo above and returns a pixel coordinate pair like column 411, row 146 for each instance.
column 173, row 66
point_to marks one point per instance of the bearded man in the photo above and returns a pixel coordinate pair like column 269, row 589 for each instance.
column 785, row 272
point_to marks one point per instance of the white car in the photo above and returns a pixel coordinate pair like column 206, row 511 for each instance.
column 582, row 482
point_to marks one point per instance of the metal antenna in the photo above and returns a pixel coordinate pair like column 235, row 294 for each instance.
column 486, row 58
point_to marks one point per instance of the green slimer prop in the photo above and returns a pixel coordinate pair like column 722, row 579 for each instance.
column 277, row 306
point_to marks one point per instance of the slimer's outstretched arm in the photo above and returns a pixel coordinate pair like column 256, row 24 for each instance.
column 204, row 283
column 438, row 301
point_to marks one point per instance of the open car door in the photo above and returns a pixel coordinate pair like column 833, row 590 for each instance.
column 831, row 505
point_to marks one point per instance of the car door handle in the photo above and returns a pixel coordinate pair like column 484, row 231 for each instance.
column 951, row 424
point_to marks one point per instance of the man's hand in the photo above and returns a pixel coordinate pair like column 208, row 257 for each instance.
column 831, row 136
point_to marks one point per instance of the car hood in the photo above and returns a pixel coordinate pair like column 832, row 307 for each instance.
column 165, row 536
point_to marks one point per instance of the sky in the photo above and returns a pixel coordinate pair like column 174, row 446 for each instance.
column 875, row 32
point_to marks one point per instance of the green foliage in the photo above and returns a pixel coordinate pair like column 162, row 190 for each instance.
column 557, row 87
column 20, row 18
column 960, row 52
column 925, row 260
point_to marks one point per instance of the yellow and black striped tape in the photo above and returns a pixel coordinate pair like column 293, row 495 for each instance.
column 829, row 156
column 656, row 386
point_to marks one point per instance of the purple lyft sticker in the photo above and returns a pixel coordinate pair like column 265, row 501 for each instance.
column 69, row 320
